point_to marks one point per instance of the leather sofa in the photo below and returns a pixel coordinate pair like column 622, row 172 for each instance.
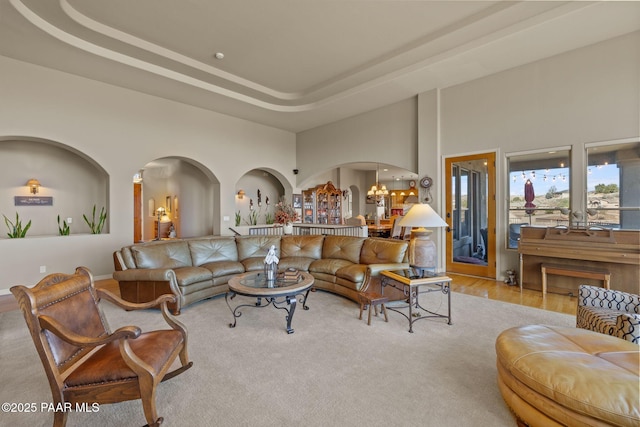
column 561, row 376
column 199, row 268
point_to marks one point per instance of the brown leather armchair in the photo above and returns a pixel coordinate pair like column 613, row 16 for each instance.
column 87, row 363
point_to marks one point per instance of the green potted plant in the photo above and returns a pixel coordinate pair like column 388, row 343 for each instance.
column 63, row 230
column 16, row 231
column 252, row 218
column 96, row 227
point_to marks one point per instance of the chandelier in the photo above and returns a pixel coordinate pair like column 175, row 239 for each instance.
column 378, row 190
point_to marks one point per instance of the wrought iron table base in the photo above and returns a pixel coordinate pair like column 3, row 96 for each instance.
column 287, row 300
column 412, row 293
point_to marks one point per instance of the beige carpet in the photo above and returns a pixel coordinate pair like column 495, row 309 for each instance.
column 333, row 371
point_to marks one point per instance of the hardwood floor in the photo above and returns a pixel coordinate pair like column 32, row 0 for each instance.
column 483, row 288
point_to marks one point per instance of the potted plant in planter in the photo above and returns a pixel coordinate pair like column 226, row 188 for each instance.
column 16, row 231
column 63, row 230
column 96, row 227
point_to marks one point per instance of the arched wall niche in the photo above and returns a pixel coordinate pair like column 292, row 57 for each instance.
column 188, row 191
column 260, row 208
column 75, row 182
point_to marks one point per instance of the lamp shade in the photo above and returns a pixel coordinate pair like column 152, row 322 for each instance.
column 422, row 250
column 423, row 216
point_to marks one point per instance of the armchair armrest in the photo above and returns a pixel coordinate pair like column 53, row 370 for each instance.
column 161, row 301
column 628, row 327
column 65, row 334
column 126, row 305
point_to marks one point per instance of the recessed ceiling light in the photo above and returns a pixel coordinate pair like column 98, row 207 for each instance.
column 218, row 55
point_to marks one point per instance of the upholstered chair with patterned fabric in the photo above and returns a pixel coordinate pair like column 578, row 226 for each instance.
column 609, row 312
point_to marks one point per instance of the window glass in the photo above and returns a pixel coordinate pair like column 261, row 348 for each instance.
column 539, row 191
column 613, row 186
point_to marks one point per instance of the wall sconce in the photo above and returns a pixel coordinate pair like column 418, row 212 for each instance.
column 34, row 186
column 241, row 194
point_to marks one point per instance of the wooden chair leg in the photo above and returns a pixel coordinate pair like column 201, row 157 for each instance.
column 60, row 418
column 384, row 310
column 361, row 308
column 369, row 318
column 148, row 398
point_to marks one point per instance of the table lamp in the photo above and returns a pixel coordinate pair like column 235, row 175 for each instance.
column 422, row 250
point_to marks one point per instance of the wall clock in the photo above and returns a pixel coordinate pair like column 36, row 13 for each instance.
column 426, row 182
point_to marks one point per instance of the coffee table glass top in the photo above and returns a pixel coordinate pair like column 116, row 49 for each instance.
column 259, row 280
column 255, row 284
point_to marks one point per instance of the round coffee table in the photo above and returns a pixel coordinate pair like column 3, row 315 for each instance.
column 279, row 293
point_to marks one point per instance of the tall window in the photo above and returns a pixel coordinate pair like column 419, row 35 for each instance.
column 613, row 186
column 539, row 191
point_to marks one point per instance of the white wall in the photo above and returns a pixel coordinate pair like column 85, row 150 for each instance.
column 387, row 134
column 122, row 131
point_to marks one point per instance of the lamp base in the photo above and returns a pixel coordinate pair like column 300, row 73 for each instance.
column 422, row 250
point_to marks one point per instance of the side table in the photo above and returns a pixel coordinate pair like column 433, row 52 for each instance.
column 413, row 283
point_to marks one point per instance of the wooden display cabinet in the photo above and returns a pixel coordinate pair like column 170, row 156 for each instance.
column 322, row 205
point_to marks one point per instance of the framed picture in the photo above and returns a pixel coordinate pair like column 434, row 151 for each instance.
column 168, row 203
column 297, row 201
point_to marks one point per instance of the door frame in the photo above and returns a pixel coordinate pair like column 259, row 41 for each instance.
column 488, row 271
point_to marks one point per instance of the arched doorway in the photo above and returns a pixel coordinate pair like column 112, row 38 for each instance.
column 186, row 190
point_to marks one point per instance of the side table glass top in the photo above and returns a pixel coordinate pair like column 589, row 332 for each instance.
column 416, row 276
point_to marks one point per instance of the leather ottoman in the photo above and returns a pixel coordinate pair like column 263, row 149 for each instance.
column 559, row 376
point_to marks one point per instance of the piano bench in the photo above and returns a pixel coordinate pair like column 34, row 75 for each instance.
column 574, row 271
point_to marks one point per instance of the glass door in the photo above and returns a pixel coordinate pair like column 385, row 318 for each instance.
column 470, row 214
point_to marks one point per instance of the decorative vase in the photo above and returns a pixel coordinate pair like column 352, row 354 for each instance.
column 287, row 228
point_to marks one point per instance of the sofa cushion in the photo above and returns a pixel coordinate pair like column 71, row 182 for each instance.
column 328, row 266
column 162, row 255
column 224, row 268
column 297, row 262
column 189, row 275
column 204, row 251
column 351, row 276
column 343, row 247
column 382, row 251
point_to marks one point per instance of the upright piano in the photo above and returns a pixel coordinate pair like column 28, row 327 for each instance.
column 616, row 251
